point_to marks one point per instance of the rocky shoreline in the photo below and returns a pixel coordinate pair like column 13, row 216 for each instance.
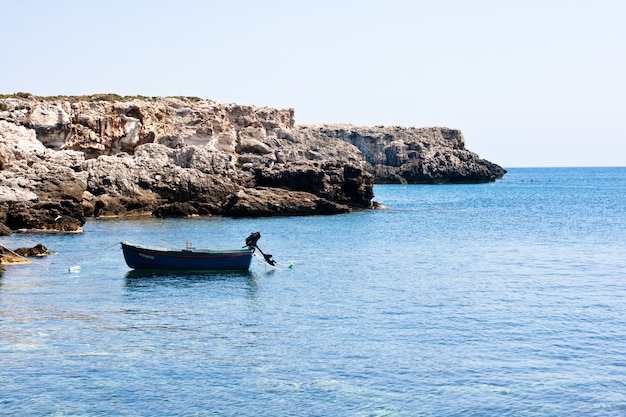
column 64, row 159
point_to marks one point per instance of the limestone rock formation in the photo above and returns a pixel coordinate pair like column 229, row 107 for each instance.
column 39, row 188
column 65, row 158
column 415, row 155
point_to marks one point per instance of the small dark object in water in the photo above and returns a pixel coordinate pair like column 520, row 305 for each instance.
column 38, row 250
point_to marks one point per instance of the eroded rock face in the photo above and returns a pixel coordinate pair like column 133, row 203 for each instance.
column 101, row 127
column 157, row 175
column 39, row 189
column 265, row 201
column 66, row 158
column 416, row 155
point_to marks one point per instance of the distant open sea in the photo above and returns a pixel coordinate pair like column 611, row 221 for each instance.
column 500, row 299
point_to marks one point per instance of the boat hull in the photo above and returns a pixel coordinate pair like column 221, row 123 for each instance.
column 150, row 258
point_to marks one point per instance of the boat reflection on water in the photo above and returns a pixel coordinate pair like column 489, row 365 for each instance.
column 145, row 276
column 142, row 279
column 185, row 274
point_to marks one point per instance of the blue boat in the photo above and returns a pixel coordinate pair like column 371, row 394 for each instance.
column 191, row 259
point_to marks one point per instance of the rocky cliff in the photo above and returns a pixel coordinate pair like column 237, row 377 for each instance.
column 415, row 156
column 65, row 158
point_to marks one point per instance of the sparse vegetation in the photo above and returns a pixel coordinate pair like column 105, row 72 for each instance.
column 16, row 95
column 104, row 97
column 92, row 97
column 190, row 98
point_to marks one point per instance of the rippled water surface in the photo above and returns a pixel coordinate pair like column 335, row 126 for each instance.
column 495, row 299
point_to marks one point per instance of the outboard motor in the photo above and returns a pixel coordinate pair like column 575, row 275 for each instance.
column 251, row 243
column 253, row 239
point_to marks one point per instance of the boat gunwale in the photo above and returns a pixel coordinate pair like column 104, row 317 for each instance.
column 193, row 252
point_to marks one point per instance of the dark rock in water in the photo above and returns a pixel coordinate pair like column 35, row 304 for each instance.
column 175, row 210
column 9, row 257
column 264, row 201
column 61, row 216
column 349, row 185
column 20, row 255
column 38, row 250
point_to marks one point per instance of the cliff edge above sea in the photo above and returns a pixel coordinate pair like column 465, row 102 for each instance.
column 63, row 159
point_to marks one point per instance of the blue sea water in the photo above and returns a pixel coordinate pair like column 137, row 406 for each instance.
column 501, row 299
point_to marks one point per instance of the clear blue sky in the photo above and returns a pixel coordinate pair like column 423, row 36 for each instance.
column 529, row 82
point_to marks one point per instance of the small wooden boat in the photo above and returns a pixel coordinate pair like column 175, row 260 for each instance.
column 192, row 259
column 188, row 259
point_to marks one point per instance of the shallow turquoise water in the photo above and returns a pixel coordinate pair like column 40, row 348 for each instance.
column 495, row 299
